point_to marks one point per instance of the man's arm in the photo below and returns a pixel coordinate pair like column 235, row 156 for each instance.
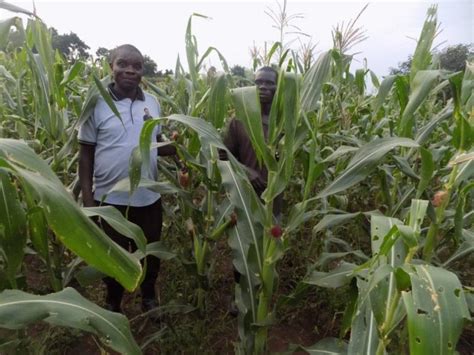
column 86, row 173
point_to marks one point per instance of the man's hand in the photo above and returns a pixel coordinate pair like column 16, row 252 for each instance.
column 257, row 182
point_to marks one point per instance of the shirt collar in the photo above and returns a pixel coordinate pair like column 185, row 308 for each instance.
column 116, row 97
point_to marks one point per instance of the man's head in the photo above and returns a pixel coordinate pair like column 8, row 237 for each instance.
column 126, row 62
column 266, row 80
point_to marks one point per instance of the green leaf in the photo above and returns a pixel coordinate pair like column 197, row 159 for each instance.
column 247, row 106
column 338, row 277
column 101, row 85
column 217, row 104
column 427, row 170
column 327, row 346
column 118, row 222
column 65, row 218
column 313, row 82
column 420, row 88
column 425, row 132
column 331, row 220
column 383, row 92
column 422, row 56
column 364, row 334
column 67, row 308
column 364, row 161
column 13, row 223
column 436, row 310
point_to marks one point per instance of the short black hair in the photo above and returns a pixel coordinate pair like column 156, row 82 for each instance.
column 114, row 52
column 269, row 69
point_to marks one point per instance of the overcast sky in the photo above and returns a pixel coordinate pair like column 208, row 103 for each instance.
column 157, row 28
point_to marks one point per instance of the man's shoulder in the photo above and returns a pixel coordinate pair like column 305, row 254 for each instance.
column 150, row 97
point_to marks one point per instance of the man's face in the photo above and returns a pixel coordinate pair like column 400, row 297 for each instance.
column 127, row 69
column 266, row 82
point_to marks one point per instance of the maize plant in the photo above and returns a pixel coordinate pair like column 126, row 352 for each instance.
column 395, row 168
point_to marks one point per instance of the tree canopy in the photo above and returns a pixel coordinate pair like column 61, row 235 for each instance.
column 451, row 58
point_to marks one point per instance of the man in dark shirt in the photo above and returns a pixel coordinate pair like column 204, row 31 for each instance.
column 238, row 142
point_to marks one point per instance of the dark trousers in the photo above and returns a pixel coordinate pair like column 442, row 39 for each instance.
column 150, row 219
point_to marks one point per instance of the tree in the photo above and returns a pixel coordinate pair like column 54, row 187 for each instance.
column 149, row 66
column 70, row 45
column 102, row 53
column 452, row 58
column 238, row 70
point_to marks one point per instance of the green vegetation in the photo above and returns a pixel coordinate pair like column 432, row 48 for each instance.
column 374, row 252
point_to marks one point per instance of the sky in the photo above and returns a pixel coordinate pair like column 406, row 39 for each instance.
column 157, row 27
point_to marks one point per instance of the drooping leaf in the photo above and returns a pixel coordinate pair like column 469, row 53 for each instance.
column 313, row 82
column 65, row 218
column 364, row 161
column 248, row 110
column 427, row 170
column 420, row 89
column 338, row 277
column 118, row 222
column 383, row 92
column 68, row 309
column 327, row 346
column 422, row 56
column 436, row 310
column 12, row 226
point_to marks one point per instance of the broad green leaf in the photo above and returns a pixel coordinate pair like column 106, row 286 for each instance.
column 467, row 88
column 338, row 277
column 404, row 166
column 422, row 56
column 65, row 218
column 67, row 309
column 13, row 8
column 464, row 173
column 192, row 51
column 426, row 171
column 331, row 220
column 417, row 214
column 37, row 225
column 325, row 258
column 436, row 310
column 364, row 161
column 420, row 88
column 118, row 222
column 425, row 132
column 159, row 250
column 313, row 82
column 327, row 346
column 383, row 92
column 339, row 152
column 222, row 59
column 243, row 197
column 12, row 227
column 162, row 95
column 466, row 248
column 247, row 106
column 102, row 86
column 217, row 103
column 72, row 73
column 364, row 334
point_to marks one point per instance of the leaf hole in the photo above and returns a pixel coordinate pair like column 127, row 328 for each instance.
column 376, row 237
column 457, row 292
column 418, row 340
column 421, row 311
column 398, row 256
column 441, row 289
column 450, row 345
